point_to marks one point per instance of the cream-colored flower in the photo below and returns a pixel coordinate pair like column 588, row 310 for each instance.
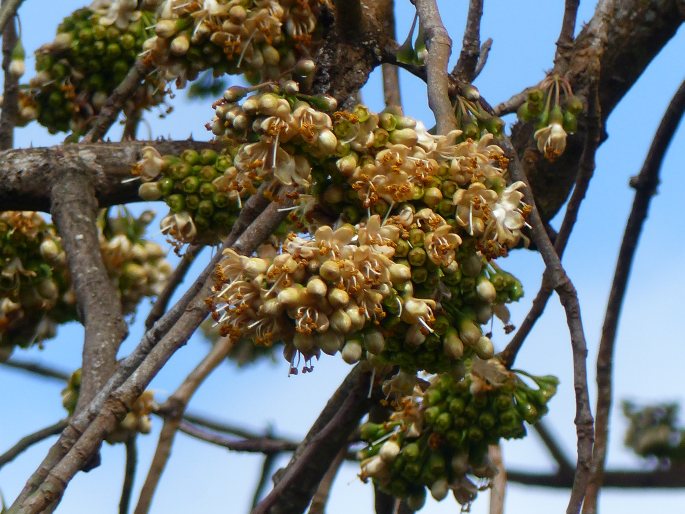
column 441, row 245
column 551, row 140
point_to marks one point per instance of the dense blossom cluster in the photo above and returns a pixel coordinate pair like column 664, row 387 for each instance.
column 94, row 49
column 258, row 38
column 35, row 287
column 437, row 439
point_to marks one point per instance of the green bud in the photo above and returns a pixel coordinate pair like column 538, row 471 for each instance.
column 176, row 203
column 150, row 191
column 190, row 184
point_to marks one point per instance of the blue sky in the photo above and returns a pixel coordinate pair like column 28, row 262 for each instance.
column 650, row 342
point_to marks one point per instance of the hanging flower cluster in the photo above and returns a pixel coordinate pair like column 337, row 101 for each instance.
column 258, row 38
column 35, row 286
column 437, row 439
column 94, row 49
column 554, row 109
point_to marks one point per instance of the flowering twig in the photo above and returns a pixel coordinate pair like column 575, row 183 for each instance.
column 129, row 474
column 439, row 47
column 175, row 407
column 176, row 278
column 296, row 483
column 645, row 185
column 27, row 441
column 586, row 170
column 110, row 110
column 465, row 68
column 74, row 209
column 11, row 89
column 569, row 299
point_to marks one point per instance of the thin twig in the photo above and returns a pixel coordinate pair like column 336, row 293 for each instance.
column 554, row 448
column 320, row 499
column 7, row 11
column 569, row 299
column 10, row 108
column 568, row 27
column 498, row 485
column 470, row 47
column 264, row 476
column 175, row 406
column 37, row 369
column 673, row 478
column 129, row 474
column 265, row 445
column 439, row 47
column 176, row 278
column 482, row 57
column 31, row 439
column 110, row 110
column 296, row 484
column 390, row 72
column 645, row 185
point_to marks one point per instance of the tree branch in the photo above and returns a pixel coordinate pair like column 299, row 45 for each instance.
column 37, row 369
column 297, row 482
column 439, row 47
column 110, row 110
column 74, row 209
column 568, row 27
column 175, row 407
column 10, row 108
column 645, row 185
column 470, row 47
column 31, row 439
column 8, row 9
column 565, row 467
column 499, row 482
column 320, row 498
column 265, row 445
column 27, row 170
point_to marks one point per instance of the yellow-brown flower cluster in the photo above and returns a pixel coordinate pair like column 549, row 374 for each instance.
column 93, row 50
column 258, row 38
column 35, row 286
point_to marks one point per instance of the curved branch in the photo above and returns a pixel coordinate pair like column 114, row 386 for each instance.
column 645, row 185
column 31, row 439
column 470, row 46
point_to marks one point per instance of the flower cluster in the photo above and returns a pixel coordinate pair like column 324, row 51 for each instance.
column 199, row 189
column 94, row 49
column 404, row 227
column 35, row 283
column 136, row 421
column 554, row 109
column 437, row 439
column 258, row 38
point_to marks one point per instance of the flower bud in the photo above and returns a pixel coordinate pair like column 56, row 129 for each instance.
column 316, row 287
column 304, row 343
column 389, row 451
column 338, row 297
column 439, row 489
column 452, row 345
column 340, row 321
column 305, row 67
column 484, row 348
column 486, row 291
column 374, row 342
column 399, row 273
column 49, row 250
column 352, row 351
column 330, row 271
column 356, row 317
column 149, row 191
column 469, row 332
column 406, row 137
column 327, row 141
column 180, row 45
column 291, row 296
column 330, row 342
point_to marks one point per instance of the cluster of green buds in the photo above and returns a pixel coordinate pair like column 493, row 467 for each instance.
column 403, row 224
column 258, row 38
column 472, row 118
column 33, row 279
column 136, row 421
column 35, row 282
column 94, row 49
column 553, row 109
column 135, row 265
column 437, row 439
column 199, row 189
